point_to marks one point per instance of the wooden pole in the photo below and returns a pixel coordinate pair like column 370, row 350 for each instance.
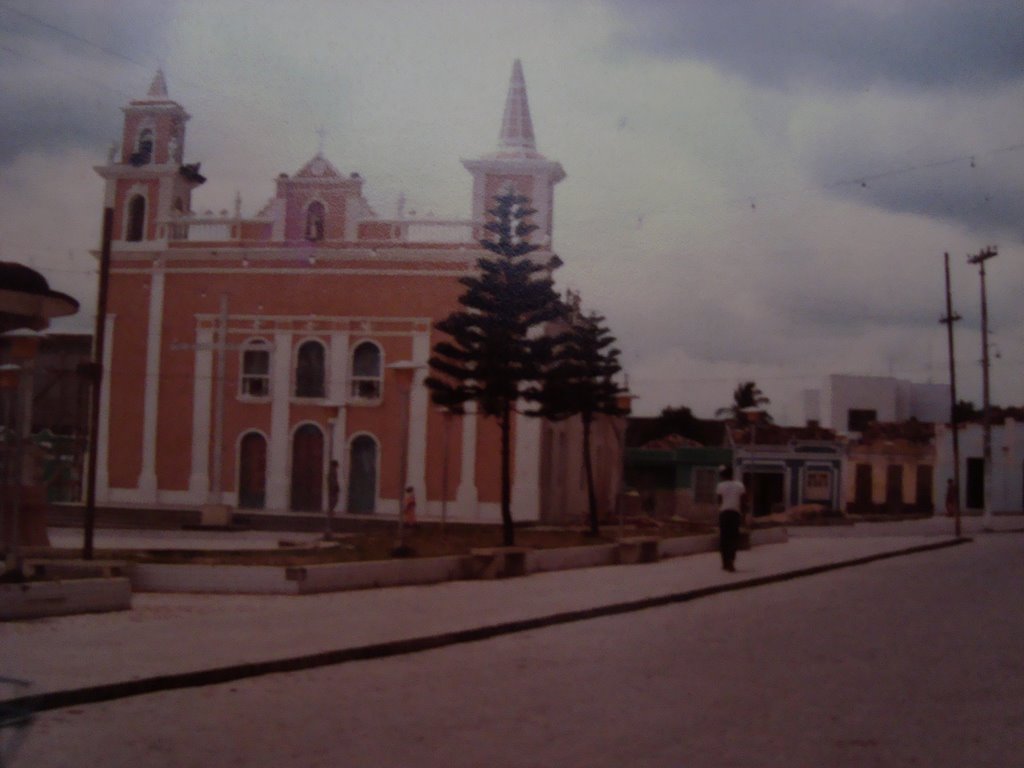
column 948, row 320
column 97, row 383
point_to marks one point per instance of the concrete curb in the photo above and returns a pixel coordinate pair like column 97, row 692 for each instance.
column 112, row 691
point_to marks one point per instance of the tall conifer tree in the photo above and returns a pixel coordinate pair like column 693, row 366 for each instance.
column 493, row 356
column 580, row 380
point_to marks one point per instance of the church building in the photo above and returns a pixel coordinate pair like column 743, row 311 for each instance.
column 244, row 354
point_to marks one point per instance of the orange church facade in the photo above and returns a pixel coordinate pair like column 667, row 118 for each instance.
column 245, row 353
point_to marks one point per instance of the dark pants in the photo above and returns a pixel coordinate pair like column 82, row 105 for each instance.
column 729, row 531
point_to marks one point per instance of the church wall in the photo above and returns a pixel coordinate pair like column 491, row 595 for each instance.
column 437, row 444
column 129, row 299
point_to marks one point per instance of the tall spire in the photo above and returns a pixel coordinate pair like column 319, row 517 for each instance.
column 516, row 126
column 158, row 88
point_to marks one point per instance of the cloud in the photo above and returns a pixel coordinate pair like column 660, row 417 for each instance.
column 919, row 44
column 63, row 73
column 712, row 210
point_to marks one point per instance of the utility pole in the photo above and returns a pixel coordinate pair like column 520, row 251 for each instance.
column 986, row 419
column 950, row 318
column 95, row 373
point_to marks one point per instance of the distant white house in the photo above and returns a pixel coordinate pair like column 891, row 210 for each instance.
column 847, row 404
column 1007, row 466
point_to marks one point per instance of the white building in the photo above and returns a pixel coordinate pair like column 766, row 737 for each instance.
column 849, row 403
column 1007, row 466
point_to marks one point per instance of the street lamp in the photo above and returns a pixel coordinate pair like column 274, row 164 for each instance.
column 404, row 370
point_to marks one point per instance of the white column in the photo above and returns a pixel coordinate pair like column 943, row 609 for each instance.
column 151, row 394
column 526, row 473
column 466, row 497
column 419, row 404
column 338, row 393
column 202, row 394
column 103, row 438
column 280, row 435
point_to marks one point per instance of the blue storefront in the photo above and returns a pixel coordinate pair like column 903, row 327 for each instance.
column 799, row 472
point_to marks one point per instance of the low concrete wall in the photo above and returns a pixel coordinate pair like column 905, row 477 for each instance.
column 689, row 545
column 253, row 579
column 541, row 560
column 333, row 577
column 760, row 536
column 36, row 599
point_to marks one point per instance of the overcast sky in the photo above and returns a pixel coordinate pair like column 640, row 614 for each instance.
column 757, row 189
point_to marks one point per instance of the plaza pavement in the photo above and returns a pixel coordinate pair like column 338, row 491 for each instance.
column 177, row 640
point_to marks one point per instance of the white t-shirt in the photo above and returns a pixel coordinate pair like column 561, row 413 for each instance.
column 731, row 493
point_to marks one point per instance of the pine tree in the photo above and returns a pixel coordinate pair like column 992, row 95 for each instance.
column 493, row 356
column 580, row 381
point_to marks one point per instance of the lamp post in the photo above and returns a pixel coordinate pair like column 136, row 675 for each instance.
column 404, row 370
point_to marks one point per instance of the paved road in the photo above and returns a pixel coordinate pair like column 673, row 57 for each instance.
column 917, row 660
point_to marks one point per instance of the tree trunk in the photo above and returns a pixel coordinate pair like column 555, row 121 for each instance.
column 508, row 529
column 588, row 469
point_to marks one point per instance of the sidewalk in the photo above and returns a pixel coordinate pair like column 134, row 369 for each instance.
column 178, row 634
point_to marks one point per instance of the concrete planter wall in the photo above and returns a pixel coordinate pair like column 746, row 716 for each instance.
column 334, row 577
column 381, row 573
column 541, row 560
column 36, row 599
column 243, row 579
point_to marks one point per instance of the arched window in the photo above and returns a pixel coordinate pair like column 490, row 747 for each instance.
column 362, row 475
column 252, row 471
column 309, row 370
column 136, row 228
column 366, row 371
column 315, row 214
column 256, row 369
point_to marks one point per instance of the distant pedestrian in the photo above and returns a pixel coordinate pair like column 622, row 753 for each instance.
column 952, row 498
column 731, row 494
column 409, row 507
column 333, row 486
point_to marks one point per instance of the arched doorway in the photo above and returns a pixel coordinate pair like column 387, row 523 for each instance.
column 362, row 475
column 307, row 469
column 252, row 471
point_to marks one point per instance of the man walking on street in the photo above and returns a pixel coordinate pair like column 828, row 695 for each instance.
column 730, row 495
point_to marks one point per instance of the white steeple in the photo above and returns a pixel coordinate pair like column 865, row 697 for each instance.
column 158, row 88
column 516, row 163
column 516, row 126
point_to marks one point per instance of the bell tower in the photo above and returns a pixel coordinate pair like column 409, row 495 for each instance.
column 147, row 183
column 517, row 164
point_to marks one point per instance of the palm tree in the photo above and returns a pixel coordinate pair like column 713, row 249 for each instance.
column 747, row 395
